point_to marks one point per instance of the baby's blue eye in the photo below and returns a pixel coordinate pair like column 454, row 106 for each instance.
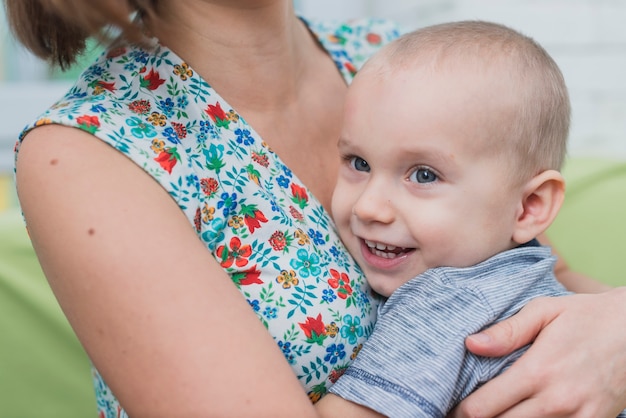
column 423, row 175
column 359, row 164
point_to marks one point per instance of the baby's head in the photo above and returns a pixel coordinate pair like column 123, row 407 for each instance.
column 452, row 140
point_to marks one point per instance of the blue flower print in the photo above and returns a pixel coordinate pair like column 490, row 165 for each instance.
column 171, row 135
column 316, row 236
column 287, row 171
column 167, row 107
column 306, row 264
column 98, row 108
column 352, row 328
column 139, row 56
column 243, row 136
column 362, row 299
column 93, row 72
column 140, row 129
column 275, row 207
column 228, row 203
column 75, row 93
column 182, row 102
column 335, row 352
column 204, row 126
column 130, row 66
column 283, row 181
column 255, row 304
column 285, row 346
column 341, row 258
column 328, row 295
column 270, row 312
column 191, row 180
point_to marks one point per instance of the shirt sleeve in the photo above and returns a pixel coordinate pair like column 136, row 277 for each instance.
column 414, row 363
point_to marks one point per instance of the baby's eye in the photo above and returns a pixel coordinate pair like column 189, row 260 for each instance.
column 359, row 164
column 423, row 175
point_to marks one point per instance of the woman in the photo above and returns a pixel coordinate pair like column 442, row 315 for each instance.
column 218, row 133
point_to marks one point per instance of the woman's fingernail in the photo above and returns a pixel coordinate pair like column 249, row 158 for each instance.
column 481, row 337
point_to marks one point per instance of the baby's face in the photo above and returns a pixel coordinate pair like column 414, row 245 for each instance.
column 418, row 186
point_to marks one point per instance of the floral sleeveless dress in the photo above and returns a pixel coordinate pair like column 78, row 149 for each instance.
column 259, row 221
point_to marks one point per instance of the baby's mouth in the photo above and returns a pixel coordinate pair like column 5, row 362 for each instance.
column 386, row 251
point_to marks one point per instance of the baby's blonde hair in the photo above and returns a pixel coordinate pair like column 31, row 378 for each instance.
column 535, row 134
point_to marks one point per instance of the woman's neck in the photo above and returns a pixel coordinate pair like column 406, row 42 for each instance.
column 252, row 52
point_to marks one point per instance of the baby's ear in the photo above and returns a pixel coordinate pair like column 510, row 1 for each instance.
column 541, row 201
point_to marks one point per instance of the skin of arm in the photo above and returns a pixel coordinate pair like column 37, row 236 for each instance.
column 162, row 322
column 331, row 406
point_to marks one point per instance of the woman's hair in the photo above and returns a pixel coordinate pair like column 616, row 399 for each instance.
column 536, row 133
column 57, row 30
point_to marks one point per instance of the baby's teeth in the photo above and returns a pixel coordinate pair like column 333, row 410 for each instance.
column 380, row 246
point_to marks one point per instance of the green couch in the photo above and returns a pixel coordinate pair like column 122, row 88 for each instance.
column 45, row 373
column 590, row 228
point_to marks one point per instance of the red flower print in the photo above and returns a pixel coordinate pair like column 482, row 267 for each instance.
column 247, row 277
column 218, row 115
column 341, row 282
column 300, row 196
column 261, row 159
column 295, row 214
column 106, row 86
column 237, row 253
column 88, row 123
column 180, row 129
column 167, row 159
column 373, row 38
column 152, row 81
column 197, row 219
column 335, row 374
column 252, row 217
column 209, row 186
column 314, row 329
column 141, row 107
column 351, row 68
column 278, row 241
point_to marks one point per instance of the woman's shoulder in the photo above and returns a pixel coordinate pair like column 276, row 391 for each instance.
column 139, row 100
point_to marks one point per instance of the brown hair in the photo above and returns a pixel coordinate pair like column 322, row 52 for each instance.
column 57, row 30
column 536, row 135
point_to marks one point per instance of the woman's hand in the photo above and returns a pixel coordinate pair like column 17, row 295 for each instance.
column 576, row 366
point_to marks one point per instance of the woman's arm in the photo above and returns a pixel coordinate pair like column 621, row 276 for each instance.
column 162, row 322
column 333, row 406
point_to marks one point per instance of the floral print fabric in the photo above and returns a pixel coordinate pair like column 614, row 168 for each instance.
column 261, row 224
